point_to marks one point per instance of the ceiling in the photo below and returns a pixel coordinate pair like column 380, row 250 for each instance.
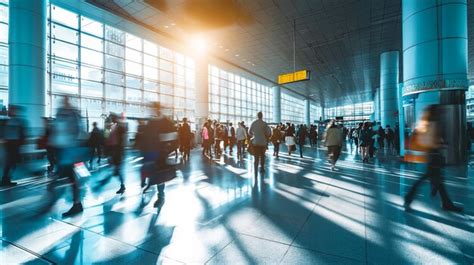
column 339, row 41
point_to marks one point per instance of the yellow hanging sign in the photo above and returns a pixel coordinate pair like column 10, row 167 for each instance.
column 294, row 77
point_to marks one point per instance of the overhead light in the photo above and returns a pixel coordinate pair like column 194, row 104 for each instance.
column 173, row 24
column 199, row 43
column 166, row 26
column 226, row 50
column 236, row 55
column 221, row 46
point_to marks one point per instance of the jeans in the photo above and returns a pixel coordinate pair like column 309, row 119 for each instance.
column 433, row 173
column 240, row 147
column 95, row 149
column 259, row 157
column 334, row 152
column 276, row 148
column 301, row 146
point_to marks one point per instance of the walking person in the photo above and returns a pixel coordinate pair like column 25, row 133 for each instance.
column 428, row 133
column 116, row 145
column 260, row 133
column 333, row 141
column 14, row 136
column 160, row 140
column 290, row 139
column 230, row 138
column 66, row 139
column 206, row 140
column 389, row 137
column 241, row 136
column 185, row 136
column 275, row 139
column 313, row 136
column 301, row 138
column 95, row 142
column 365, row 141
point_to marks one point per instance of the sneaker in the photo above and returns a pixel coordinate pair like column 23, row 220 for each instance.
column 8, row 184
column 75, row 209
column 452, row 208
column 159, row 202
column 262, row 170
column 121, row 190
column 333, row 167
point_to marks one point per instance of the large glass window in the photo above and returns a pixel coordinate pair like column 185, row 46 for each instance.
column 107, row 69
column 233, row 98
column 3, row 54
column 351, row 113
column 292, row 109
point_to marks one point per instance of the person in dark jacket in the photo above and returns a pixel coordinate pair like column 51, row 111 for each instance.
column 14, row 136
column 95, row 143
column 116, row 143
column 365, row 140
column 301, row 138
column 160, row 140
column 185, row 137
column 230, row 137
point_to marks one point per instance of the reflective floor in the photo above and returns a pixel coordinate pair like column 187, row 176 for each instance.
column 301, row 212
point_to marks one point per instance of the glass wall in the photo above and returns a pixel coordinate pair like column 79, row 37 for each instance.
column 315, row 113
column 292, row 109
column 352, row 112
column 234, row 98
column 108, row 70
column 3, row 53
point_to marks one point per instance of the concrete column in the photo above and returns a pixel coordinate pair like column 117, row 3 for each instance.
column 435, row 64
column 202, row 89
column 377, row 105
column 389, row 66
column 276, row 104
column 307, row 112
column 27, row 59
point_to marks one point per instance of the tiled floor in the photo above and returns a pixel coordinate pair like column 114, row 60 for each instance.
column 301, row 213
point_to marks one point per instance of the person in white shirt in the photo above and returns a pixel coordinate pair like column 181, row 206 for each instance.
column 241, row 136
column 260, row 133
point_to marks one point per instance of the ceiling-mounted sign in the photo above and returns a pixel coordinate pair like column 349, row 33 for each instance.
column 297, row 76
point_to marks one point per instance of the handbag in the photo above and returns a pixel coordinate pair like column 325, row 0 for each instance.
column 251, row 148
column 293, row 147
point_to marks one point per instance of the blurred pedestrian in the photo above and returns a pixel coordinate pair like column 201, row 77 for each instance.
column 333, row 141
column 116, row 145
column 14, row 137
column 241, row 136
column 185, row 136
column 428, row 135
column 95, row 143
column 276, row 139
column 301, row 138
column 66, row 138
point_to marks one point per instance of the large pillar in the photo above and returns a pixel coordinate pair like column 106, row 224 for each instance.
column 307, row 112
column 377, row 105
column 388, row 103
column 202, row 89
column 276, row 104
column 27, row 59
column 435, row 66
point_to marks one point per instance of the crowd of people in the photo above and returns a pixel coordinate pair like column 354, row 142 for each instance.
column 67, row 144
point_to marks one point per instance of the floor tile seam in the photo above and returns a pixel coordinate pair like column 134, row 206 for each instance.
column 27, row 250
column 218, row 252
column 117, row 240
column 326, row 253
column 265, row 239
column 304, row 223
column 455, row 244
